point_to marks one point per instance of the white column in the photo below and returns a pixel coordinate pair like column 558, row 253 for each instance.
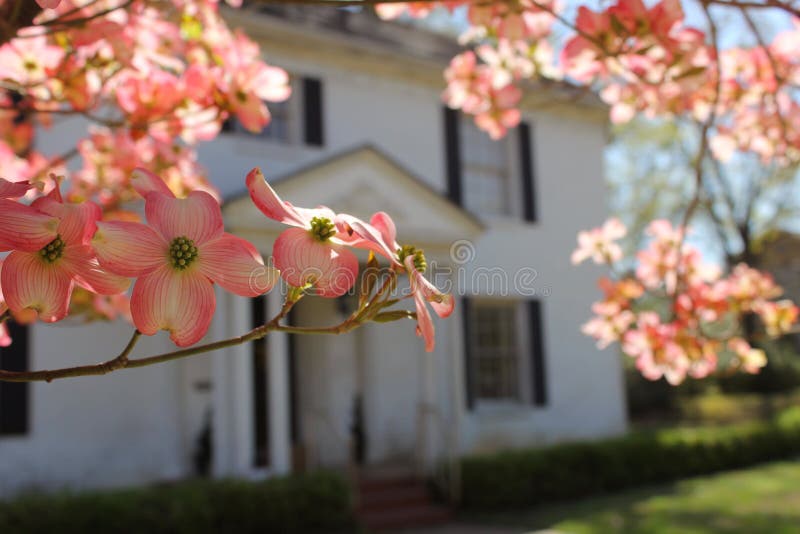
column 279, row 399
column 232, row 423
column 241, row 382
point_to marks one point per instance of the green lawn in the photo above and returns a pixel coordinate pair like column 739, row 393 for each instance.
column 764, row 499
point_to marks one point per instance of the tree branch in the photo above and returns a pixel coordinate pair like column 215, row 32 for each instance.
column 120, row 362
column 363, row 314
column 767, row 4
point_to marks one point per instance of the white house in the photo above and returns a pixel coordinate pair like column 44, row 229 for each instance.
column 365, row 131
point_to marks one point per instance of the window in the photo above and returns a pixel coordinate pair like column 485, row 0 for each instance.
column 278, row 128
column 496, row 351
column 489, row 177
column 297, row 120
column 14, row 395
column 485, row 171
column 504, row 352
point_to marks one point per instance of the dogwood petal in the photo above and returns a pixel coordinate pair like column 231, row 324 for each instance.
column 181, row 302
column 302, row 259
column 13, row 189
column 77, row 222
column 197, row 216
column 342, row 275
column 442, row 303
column 354, row 232
column 425, row 328
column 5, row 339
column 385, row 225
column 236, row 265
column 267, row 200
column 48, row 4
column 25, row 228
column 29, row 283
column 128, row 248
column 145, row 182
column 82, row 265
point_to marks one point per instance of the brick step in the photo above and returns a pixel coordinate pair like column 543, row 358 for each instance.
column 367, row 485
column 405, row 517
column 392, row 497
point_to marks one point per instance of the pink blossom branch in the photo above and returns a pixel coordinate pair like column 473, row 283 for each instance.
column 704, row 145
column 59, row 24
column 366, row 313
column 768, row 4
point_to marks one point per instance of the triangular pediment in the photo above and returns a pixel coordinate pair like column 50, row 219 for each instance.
column 360, row 182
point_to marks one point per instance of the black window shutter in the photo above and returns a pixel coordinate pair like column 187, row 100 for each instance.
column 258, row 309
column 527, row 171
column 538, row 371
column 14, row 396
column 227, row 124
column 469, row 366
column 452, row 154
column 312, row 112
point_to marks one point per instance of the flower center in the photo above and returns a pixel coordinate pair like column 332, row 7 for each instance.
column 420, row 263
column 322, row 229
column 53, row 250
column 182, row 252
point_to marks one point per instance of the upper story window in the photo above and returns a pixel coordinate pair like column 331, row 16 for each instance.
column 490, row 178
column 485, row 171
column 295, row 121
column 280, row 128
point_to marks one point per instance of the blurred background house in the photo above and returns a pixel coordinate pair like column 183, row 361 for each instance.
column 365, row 130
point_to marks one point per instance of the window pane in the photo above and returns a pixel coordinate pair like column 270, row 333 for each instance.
column 485, row 170
column 278, row 127
column 496, row 350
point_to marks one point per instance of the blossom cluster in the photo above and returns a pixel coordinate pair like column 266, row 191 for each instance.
column 151, row 78
column 154, row 78
column 674, row 314
column 57, row 247
column 519, row 50
column 642, row 58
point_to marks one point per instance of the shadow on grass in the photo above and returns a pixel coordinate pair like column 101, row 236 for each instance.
column 765, row 499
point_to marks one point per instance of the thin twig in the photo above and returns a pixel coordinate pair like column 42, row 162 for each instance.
column 58, row 25
column 702, row 150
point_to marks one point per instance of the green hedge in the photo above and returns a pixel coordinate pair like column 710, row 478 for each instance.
column 529, row 477
column 312, row 503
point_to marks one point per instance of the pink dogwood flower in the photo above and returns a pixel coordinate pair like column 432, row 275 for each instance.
column 39, row 275
column 312, row 252
column 751, row 360
column 380, row 236
column 778, row 317
column 600, row 243
column 176, row 259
